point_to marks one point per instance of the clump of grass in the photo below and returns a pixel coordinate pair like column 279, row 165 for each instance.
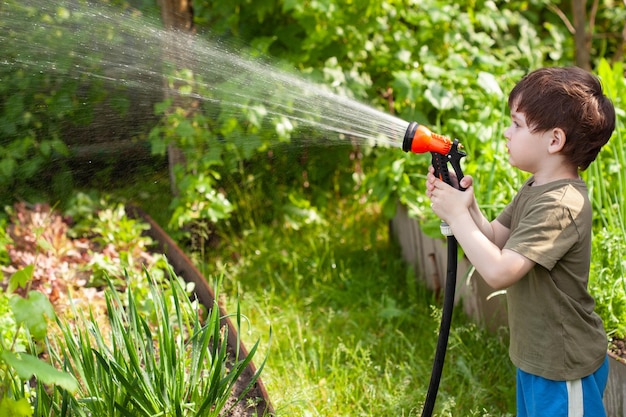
column 174, row 365
column 607, row 186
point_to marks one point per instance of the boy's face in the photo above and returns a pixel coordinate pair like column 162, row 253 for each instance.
column 527, row 149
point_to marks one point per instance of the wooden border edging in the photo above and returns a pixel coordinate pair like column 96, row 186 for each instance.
column 184, row 268
column 428, row 257
column 614, row 401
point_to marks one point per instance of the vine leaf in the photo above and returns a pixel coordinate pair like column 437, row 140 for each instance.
column 21, row 277
column 28, row 365
column 32, row 312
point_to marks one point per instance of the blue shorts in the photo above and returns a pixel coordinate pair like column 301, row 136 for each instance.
column 540, row 397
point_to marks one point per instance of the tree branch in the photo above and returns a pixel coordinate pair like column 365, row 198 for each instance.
column 563, row 17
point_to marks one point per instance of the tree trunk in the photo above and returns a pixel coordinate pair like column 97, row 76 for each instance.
column 582, row 39
column 177, row 16
column 619, row 55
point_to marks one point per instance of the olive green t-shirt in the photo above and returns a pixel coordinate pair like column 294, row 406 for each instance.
column 555, row 333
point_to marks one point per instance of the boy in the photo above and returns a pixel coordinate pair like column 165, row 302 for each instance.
column 539, row 247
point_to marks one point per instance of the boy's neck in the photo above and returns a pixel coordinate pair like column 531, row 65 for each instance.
column 560, row 171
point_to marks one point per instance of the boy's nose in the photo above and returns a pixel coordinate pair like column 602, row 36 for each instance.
column 506, row 133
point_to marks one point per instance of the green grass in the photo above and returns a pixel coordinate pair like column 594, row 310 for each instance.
column 353, row 332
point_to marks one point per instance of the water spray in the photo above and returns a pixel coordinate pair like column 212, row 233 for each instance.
column 419, row 139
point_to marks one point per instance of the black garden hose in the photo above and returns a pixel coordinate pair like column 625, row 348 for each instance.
column 419, row 139
column 444, row 328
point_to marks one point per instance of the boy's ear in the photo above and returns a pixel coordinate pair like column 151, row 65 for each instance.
column 557, row 140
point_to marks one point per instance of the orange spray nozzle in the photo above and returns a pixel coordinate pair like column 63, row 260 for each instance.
column 419, row 139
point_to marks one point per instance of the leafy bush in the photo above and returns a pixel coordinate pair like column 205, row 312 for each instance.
column 93, row 352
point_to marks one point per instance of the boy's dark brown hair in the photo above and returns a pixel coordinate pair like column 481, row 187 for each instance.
column 571, row 99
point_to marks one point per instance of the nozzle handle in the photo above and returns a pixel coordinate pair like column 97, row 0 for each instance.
column 454, row 156
column 440, row 164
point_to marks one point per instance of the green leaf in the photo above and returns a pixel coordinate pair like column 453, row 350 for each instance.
column 59, row 146
column 489, row 83
column 28, row 365
column 162, row 107
column 21, row 277
column 63, row 13
column 44, row 147
column 7, row 167
column 185, row 129
column 32, row 311
column 158, row 146
column 15, row 408
column 439, row 97
column 14, row 106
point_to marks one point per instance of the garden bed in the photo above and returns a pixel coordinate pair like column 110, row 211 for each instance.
column 185, row 268
column 65, row 267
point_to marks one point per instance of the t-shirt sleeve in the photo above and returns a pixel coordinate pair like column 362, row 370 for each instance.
column 504, row 218
column 544, row 234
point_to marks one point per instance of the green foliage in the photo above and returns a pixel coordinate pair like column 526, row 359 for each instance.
column 607, row 185
column 56, row 85
column 122, row 245
column 31, row 311
column 10, row 333
column 449, row 66
column 393, row 183
column 33, row 106
column 15, row 408
column 113, row 226
column 26, row 366
column 4, row 240
column 190, row 360
column 24, row 328
column 607, row 279
column 173, row 364
column 427, row 62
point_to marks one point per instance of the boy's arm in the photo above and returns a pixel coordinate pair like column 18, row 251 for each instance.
column 481, row 240
column 500, row 268
column 494, row 230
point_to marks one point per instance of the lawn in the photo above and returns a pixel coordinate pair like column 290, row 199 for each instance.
column 353, row 332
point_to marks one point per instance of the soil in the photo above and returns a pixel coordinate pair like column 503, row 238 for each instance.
column 618, row 348
column 40, row 237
